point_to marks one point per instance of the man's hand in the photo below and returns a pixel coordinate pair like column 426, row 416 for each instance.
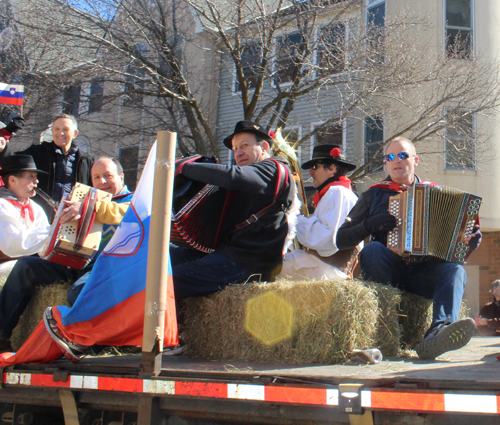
column 380, row 223
column 70, row 212
column 475, row 238
column 16, row 124
column 3, row 143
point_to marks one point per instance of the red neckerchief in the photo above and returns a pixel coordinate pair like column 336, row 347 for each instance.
column 24, row 207
column 389, row 184
column 342, row 181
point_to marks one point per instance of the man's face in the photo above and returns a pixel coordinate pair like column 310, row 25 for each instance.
column 63, row 132
column 321, row 173
column 402, row 171
column 24, row 186
column 105, row 176
column 246, row 150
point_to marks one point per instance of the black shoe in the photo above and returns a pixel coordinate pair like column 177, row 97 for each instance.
column 5, row 346
column 71, row 350
column 446, row 337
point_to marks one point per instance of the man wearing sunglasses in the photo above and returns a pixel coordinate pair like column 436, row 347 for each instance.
column 332, row 202
column 443, row 282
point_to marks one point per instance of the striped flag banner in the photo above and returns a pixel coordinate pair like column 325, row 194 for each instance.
column 11, row 94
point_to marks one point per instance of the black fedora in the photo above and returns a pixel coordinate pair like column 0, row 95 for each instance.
column 331, row 154
column 248, row 127
column 16, row 163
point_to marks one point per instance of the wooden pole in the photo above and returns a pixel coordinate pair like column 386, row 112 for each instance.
column 158, row 254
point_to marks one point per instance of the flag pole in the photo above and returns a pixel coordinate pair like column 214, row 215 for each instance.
column 158, row 254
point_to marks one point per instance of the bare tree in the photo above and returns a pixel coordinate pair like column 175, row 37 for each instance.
column 281, row 52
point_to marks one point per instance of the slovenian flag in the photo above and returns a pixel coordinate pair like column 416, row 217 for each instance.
column 11, row 94
column 110, row 308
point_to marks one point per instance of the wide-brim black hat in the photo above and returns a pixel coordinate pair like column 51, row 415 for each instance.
column 248, row 127
column 16, row 163
column 329, row 154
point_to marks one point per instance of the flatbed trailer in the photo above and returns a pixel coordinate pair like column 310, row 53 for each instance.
column 460, row 387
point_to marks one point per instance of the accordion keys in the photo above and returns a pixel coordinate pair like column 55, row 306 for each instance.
column 433, row 220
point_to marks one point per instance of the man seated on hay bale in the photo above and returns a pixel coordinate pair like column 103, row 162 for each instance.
column 332, row 204
column 24, row 226
column 31, row 272
column 444, row 282
column 258, row 225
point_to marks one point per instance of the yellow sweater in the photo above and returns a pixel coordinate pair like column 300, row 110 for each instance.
column 110, row 212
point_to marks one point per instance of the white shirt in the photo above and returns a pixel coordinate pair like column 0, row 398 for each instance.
column 318, row 232
column 19, row 236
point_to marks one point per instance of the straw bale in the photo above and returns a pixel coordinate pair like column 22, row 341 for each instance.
column 44, row 296
column 293, row 322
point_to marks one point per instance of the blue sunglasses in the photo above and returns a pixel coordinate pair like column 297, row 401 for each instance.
column 402, row 155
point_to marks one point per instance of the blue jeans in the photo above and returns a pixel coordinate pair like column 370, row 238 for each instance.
column 196, row 274
column 441, row 281
column 27, row 274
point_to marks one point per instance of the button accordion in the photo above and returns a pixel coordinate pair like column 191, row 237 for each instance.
column 434, row 221
column 75, row 243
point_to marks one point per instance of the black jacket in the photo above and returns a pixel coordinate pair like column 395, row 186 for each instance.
column 258, row 247
column 45, row 159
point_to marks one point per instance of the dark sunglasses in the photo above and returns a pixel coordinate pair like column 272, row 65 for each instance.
column 316, row 165
column 402, row 155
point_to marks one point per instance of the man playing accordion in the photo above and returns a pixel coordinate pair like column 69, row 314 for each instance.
column 257, row 224
column 444, row 282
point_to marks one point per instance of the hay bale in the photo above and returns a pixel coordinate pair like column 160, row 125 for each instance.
column 44, row 296
column 292, row 322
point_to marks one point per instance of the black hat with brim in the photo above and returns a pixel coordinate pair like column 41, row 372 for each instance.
column 327, row 154
column 16, row 163
column 248, row 127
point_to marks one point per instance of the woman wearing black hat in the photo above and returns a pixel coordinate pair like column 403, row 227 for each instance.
column 332, row 202
column 23, row 223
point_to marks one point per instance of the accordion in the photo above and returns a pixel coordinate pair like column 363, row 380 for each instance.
column 198, row 211
column 434, row 221
column 75, row 243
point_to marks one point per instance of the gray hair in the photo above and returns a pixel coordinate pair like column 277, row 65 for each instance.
column 67, row 116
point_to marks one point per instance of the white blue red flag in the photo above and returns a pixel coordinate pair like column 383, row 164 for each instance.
column 11, row 94
column 110, row 308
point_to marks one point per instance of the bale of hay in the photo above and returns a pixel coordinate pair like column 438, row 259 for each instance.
column 293, row 322
column 44, row 296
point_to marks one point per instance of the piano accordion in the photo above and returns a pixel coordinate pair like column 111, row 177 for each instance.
column 197, row 214
column 75, row 243
column 434, row 221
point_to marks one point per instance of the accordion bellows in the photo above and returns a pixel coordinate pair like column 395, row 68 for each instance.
column 434, row 221
column 75, row 243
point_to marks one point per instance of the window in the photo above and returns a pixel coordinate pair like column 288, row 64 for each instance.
column 458, row 28
column 331, row 49
column 71, row 100
column 460, row 140
column 133, row 83
column 375, row 22
column 96, row 95
column 129, row 159
column 287, row 54
column 374, row 138
column 250, row 61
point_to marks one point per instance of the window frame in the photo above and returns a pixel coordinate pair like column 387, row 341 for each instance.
column 345, row 24
column 79, row 105
column 471, row 29
column 235, row 86
column 93, row 97
column 380, row 116
column 474, row 148
column 275, row 58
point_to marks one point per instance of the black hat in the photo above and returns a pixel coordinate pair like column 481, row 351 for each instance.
column 15, row 163
column 248, row 127
column 329, row 154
